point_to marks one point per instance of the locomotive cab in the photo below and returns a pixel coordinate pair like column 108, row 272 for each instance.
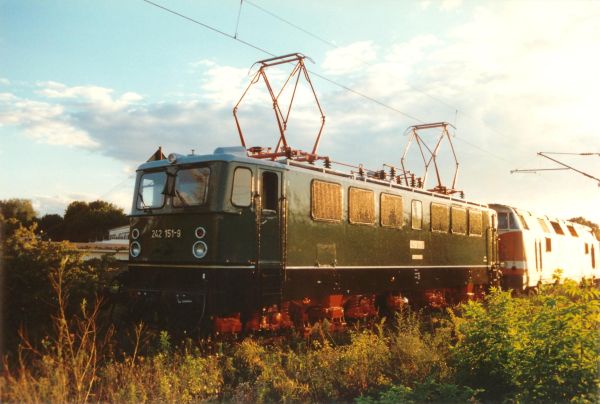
column 199, row 227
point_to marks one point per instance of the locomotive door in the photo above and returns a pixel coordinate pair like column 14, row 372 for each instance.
column 269, row 241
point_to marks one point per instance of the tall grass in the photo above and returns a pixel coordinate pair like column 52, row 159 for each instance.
column 65, row 369
column 541, row 348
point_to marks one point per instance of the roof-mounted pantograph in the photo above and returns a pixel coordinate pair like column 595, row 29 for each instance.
column 429, row 157
column 282, row 112
column 399, row 175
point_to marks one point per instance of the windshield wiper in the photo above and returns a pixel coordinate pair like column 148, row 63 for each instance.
column 181, row 198
column 145, row 207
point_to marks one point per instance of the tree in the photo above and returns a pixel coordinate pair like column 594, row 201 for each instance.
column 51, row 227
column 91, row 221
column 20, row 209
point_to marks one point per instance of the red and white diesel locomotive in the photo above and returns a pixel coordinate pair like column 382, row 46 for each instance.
column 532, row 248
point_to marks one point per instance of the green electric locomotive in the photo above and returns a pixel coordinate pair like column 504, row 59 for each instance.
column 255, row 244
column 253, row 238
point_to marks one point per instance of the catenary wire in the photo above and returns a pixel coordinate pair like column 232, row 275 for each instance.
column 111, row 190
column 349, row 89
column 237, row 24
column 218, row 31
column 321, row 76
column 376, row 101
column 333, row 45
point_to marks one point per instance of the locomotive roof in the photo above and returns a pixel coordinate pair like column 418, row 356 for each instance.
column 234, row 153
column 507, row 208
column 239, row 154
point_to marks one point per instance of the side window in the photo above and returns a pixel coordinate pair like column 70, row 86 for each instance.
column 459, row 220
column 440, row 217
column 361, row 206
column 416, row 215
column 502, row 220
column 270, row 191
column 391, row 211
column 544, row 226
column 557, row 228
column 475, row 223
column 548, row 244
column 326, row 201
column 241, row 192
column 523, row 222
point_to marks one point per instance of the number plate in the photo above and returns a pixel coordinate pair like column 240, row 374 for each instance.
column 167, row 233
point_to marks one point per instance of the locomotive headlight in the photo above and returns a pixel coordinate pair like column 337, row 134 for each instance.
column 200, row 232
column 135, row 233
column 135, row 249
column 173, row 157
column 199, row 249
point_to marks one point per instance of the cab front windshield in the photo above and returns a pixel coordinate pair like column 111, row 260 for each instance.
column 187, row 187
column 190, row 186
column 151, row 193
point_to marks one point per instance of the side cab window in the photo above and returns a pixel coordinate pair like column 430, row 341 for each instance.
column 241, row 192
column 270, row 191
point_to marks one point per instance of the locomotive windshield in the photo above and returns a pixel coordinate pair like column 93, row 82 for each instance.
column 508, row 220
column 152, row 190
column 187, row 187
column 190, row 186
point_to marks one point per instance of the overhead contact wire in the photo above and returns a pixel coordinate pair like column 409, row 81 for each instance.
column 366, row 97
column 349, row 89
column 272, row 54
column 333, row 45
column 237, row 24
column 218, row 31
column 299, row 28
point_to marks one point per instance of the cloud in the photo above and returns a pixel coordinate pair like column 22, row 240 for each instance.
column 42, row 121
column 92, row 96
column 348, row 59
column 223, row 84
column 202, row 63
column 449, row 5
column 4, row 81
column 519, row 87
column 57, row 204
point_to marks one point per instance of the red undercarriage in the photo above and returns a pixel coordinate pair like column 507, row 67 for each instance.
column 338, row 309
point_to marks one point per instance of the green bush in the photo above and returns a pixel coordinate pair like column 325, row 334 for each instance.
column 29, row 301
column 542, row 348
column 429, row 391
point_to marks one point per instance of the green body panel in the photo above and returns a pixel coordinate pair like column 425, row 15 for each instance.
column 373, row 245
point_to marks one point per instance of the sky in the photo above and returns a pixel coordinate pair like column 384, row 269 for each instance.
column 89, row 90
